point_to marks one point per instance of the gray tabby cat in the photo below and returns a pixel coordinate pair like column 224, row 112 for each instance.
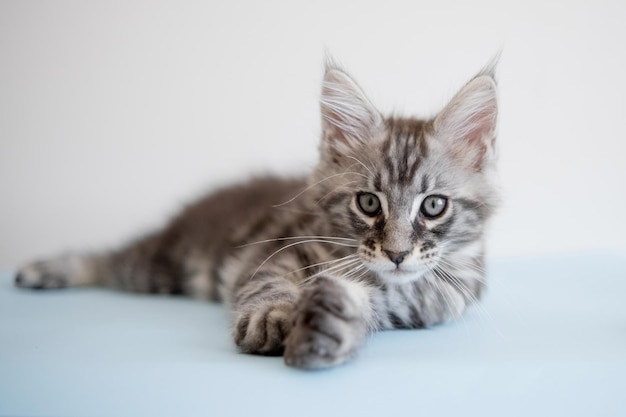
column 387, row 232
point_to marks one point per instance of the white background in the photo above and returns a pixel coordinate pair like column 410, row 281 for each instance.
column 113, row 114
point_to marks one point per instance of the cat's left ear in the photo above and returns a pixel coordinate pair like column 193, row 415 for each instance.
column 467, row 125
column 348, row 117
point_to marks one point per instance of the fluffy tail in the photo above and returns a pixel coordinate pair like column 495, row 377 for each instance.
column 144, row 266
column 60, row 272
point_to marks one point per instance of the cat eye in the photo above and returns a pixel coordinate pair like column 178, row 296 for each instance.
column 434, row 206
column 368, row 203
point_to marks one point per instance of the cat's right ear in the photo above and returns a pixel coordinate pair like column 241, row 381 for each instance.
column 348, row 117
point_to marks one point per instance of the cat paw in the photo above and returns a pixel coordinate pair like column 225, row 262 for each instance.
column 327, row 329
column 263, row 330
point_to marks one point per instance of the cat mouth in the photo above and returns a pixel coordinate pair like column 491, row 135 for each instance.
column 398, row 274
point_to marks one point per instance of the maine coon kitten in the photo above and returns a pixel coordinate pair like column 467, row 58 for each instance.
column 387, row 232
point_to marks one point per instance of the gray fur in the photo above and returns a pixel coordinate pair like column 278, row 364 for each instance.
column 306, row 272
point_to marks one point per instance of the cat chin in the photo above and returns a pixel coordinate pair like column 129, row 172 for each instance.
column 400, row 276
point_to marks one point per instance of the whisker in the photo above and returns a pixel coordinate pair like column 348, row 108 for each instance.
column 280, row 239
column 482, row 279
column 449, row 291
column 448, row 298
column 471, row 263
column 299, row 243
column 345, row 264
column 452, row 267
column 449, row 276
column 318, row 183
column 354, row 270
column 310, row 213
column 462, row 287
column 361, row 275
column 333, row 261
column 362, row 164
column 332, row 191
column 335, row 268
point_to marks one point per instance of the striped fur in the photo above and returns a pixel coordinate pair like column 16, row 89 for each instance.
column 307, row 271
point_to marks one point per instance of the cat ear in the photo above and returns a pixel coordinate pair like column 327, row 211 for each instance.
column 348, row 117
column 467, row 125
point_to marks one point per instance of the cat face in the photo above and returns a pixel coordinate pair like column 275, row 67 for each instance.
column 413, row 193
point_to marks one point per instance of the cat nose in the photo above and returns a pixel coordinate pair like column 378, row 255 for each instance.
column 396, row 257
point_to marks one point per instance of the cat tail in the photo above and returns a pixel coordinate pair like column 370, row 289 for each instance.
column 67, row 270
column 143, row 266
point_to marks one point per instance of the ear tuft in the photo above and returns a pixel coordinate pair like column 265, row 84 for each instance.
column 489, row 70
column 467, row 125
column 348, row 117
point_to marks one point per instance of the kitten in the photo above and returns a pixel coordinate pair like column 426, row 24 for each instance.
column 387, row 232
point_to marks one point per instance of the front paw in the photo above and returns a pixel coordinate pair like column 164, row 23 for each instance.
column 262, row 330
column 328, row 328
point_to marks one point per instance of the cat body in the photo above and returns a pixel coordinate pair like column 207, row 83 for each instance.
column 387, row 232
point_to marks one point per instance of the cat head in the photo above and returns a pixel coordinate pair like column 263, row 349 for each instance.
column 414, row 193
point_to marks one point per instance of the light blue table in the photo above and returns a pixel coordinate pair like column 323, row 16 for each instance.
column 549, row 340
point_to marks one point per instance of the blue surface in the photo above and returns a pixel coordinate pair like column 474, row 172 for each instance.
column 549, row 339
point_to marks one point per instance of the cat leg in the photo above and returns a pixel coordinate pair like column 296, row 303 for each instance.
column 333, row 318
column 59, row 272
